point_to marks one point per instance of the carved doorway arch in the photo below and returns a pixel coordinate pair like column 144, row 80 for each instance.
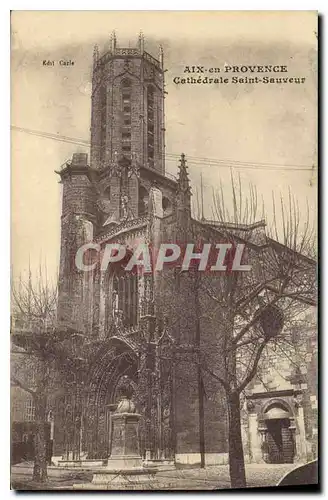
column 111, row 364
column 278, row 432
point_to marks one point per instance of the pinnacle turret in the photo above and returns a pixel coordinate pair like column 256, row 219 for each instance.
column 183, row 198
column 183, row 178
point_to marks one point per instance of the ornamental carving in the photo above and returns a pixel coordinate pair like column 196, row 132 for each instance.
column 250, row 406
column 298, row 401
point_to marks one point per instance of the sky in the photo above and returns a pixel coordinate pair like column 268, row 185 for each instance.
column 271, row 124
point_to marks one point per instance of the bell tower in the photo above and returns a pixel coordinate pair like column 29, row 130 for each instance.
column 127, row 117
column 126, row 167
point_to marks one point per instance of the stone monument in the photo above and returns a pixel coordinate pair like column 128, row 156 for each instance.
column 124, row 469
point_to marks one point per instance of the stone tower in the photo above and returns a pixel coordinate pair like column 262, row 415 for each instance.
column 127, row 119
column 78, row 224
column 127, row 123
column 126, row 161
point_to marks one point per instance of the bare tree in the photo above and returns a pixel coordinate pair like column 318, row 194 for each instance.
column 256, row 307
column 53, row 351
column 242, row 313
column 34, row 331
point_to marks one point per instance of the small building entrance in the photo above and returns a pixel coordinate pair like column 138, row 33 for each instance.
column 279, row 436
column 280, row 441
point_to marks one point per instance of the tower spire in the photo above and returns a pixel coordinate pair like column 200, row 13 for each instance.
column 113, row 41
column 183, row 198
column 141, row 42
column 183, row 179
column 161, row 56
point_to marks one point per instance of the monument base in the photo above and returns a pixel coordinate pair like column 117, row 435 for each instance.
column 160, row 465
column 133, row 479
column 125, row 462
column 86, row 463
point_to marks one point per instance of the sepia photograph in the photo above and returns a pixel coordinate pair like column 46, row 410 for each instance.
column 164, row 282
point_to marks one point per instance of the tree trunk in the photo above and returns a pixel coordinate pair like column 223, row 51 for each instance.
column 40, row 455
column 236, row 453
column 201, row 419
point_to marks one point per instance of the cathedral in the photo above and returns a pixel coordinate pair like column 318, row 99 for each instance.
column 140, row 333
column 125, row 196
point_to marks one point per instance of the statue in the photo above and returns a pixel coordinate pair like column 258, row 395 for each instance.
column 124, row 206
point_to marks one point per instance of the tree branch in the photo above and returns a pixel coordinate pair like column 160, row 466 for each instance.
column 214, row 375
column 252, row 373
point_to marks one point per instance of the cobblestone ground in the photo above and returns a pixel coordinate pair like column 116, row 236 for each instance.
column 257, row 475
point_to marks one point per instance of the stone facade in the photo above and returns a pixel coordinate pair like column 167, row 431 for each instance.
column 285, row 389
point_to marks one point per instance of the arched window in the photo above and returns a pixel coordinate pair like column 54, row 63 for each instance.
column 150, row 125
column 124, row 303
column 103, row 121
column 143, row 201
column 167, row 205
column 107, row 193
column 126, row 110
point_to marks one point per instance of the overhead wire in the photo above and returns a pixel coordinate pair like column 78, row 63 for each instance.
column 192, row 160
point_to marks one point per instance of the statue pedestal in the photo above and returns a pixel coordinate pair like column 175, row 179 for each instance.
column 124, row 469
column 125, row 453
column 125, row 479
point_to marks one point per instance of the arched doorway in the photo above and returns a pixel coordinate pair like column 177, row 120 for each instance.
column 111, row 365
column 149, row 375
column 279, row 444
